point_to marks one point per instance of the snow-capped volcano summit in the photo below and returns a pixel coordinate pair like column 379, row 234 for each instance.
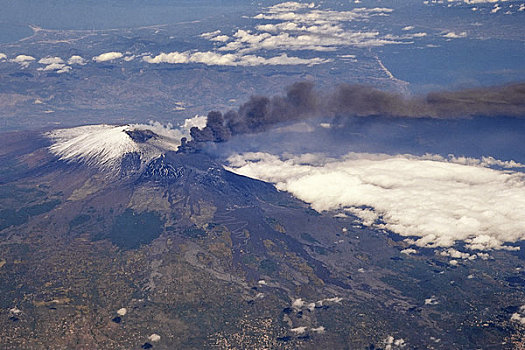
column 106, row 146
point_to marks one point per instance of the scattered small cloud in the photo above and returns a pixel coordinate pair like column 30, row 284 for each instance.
column 15, row 311
column 122, row 311
column 211, row 58
column 198, row 121
column 50, row 60
column 409, row 251
column 319, row 329
column 298, row 303
column 3, row 57
column 454, row 35
column 408, row 28
column 55, row 64
column 154, row 337
column 220, row 38
column 519, row 316
column 75, row 59
column 391, row 343
column 480, row 1
column 56, row 67
column 107, row 56
column 456, row 254
column 495, row 9
column 294, row 26
column 298, row 330
column 431, row 301
column 23, row 60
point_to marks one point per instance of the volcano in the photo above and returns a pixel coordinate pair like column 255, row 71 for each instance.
column 112, row 239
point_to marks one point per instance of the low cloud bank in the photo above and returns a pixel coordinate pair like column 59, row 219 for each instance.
column 432, row 201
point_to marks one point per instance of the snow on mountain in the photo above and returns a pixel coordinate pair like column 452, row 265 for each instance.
column 105, row 146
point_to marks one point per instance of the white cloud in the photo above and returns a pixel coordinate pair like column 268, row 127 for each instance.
column 221, row 38
column 317, row 16
column 456, row 254
column 431, row 301
column 303, row 26
column 122, row 311
column 154, row 337
column 480, row 1
column 416, row 35
column 75, row 59
column 298, row 330
column 316, row 38
column 409, row 251
column 210, row 35
column 306, row 28
column 319, row 329
column 298, row 303
column 454, row 35
column 53, row 64
column 211, row 58
column 172, row 57
column 107, row 56
column 519, row 316
column 51, row 60
column 23, row 60
column 57, row 67
column 281, row 60
column 3, row 56
column 392, row 343
column 431, row 198
column 104, row 146
column 199, row 121
column 15, row 311
column 289, row 6
column 495, row 9
column 408, row 28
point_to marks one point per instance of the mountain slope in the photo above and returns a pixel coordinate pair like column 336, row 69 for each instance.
column 205, row 258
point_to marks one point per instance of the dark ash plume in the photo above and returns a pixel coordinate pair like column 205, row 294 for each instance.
column 302, row 102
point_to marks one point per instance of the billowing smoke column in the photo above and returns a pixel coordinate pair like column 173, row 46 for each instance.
column 303, row 102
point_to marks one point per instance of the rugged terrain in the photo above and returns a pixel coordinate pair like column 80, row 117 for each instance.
column 204, row 258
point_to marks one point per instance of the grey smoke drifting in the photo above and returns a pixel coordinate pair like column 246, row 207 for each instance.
column 302, row 101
